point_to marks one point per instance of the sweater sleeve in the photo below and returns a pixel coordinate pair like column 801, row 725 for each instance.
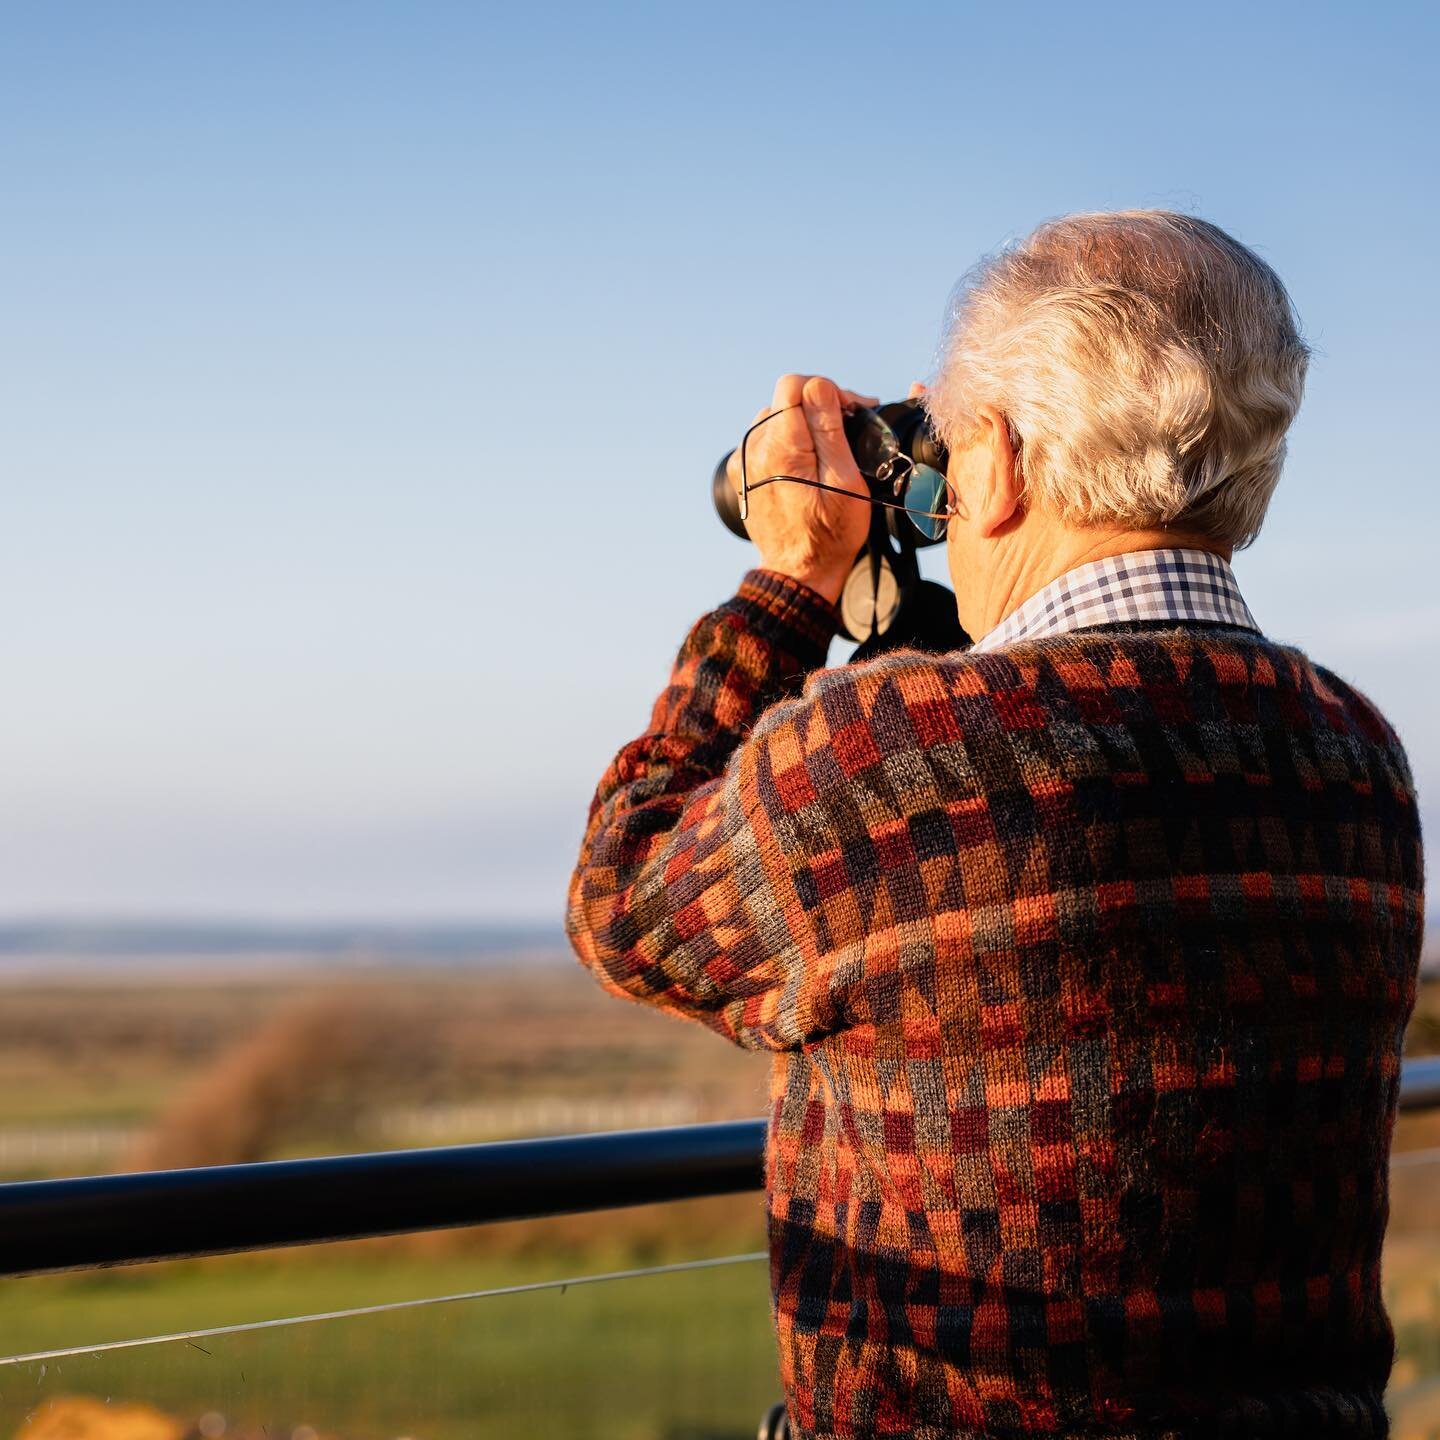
column 682, row 897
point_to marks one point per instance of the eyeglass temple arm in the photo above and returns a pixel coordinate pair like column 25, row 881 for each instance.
column 745, row 486
column 836, row 490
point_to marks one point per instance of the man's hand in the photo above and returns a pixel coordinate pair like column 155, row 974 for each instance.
column 809, row 535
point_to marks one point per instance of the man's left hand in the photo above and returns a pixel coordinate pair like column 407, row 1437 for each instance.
column 809, row 535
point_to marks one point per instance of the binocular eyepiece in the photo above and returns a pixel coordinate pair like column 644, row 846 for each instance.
column 885, row 603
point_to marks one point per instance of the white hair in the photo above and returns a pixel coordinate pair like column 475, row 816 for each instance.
column 1148, row 364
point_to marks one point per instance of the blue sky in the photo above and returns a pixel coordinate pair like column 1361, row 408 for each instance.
column 362, row 367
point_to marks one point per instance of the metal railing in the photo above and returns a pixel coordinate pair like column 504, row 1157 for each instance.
column 170, row 1214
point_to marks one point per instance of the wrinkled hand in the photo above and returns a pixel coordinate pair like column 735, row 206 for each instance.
column 810, row 535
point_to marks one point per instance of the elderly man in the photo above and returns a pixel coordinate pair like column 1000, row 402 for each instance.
column 1083, row 954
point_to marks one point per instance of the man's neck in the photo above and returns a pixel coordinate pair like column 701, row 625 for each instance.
column 1030, row 562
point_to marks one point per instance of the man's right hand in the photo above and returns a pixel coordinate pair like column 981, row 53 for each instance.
column 807, row 534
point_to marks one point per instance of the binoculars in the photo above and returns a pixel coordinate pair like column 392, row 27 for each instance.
column 885, row 604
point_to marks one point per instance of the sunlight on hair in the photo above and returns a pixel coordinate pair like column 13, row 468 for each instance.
column 1149, row 363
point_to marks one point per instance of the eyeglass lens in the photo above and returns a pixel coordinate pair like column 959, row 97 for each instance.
column 925, row 501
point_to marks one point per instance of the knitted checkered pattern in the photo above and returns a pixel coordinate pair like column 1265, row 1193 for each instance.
column 1084, row 965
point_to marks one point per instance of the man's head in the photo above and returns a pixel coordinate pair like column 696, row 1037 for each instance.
column 1114, row 381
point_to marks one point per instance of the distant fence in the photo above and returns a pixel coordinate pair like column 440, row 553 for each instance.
column 535, row 1115
column 26, row 1147
column 118, row 1219
column 163, row 1215
column 38, row 1147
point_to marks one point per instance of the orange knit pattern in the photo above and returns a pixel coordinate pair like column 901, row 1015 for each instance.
column 1084, row 966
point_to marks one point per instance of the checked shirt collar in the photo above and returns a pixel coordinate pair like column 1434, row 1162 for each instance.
column 1189, row 585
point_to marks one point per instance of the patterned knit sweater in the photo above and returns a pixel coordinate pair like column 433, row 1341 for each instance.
column 1084, row 965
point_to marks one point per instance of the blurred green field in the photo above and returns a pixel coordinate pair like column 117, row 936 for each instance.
column 688, row 1354
column 657, row 1357
column 178, row 1071
column 175, row 1070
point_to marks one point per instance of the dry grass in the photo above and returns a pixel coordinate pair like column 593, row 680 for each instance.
column 260, row 1066
column 327, row 1062
column 253, row 1067
column 250, row 1069
column 310, row 1068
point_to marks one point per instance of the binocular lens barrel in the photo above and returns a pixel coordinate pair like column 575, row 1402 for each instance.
column 877, row 439
column 727, row 500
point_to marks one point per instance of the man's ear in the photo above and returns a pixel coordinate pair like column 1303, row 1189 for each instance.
column 999, row 489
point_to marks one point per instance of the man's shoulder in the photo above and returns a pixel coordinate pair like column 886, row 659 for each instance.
column 1117, row 655
column 1143, row 658
column 1352, row 709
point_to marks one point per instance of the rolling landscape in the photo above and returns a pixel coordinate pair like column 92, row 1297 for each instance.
column 125, row 1049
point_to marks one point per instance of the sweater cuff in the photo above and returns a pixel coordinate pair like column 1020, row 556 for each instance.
column 790, row 614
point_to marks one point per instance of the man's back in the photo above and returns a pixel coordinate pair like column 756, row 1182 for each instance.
column 1085, row 964
column 1119, row 933
column 1086, row 952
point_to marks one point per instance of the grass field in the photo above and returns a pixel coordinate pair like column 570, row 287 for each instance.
column 249, row 1067
column 177, row 1070
column 686, row 1354
column 680, row 1355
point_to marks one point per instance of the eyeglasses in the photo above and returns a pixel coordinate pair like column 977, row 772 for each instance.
column 922, row 492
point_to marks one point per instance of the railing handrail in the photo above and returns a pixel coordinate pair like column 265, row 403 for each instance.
column 1419, row 1083
column 217, row 1209
column 171, row 1214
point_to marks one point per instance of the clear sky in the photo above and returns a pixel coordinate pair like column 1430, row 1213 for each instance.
column 363, row 365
